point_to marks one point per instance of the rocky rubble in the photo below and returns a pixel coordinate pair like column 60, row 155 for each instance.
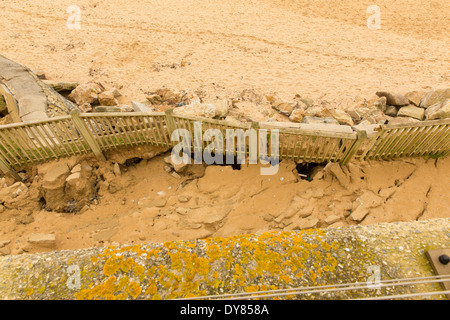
column 386, row 107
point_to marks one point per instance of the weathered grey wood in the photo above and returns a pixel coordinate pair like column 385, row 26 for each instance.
column 86, row 134
column 6, row 169
column 361, row 136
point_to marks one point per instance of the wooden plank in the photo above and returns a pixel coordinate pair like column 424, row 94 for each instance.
column 433, row 145
column 82, row 128
column 361, row 137
column 6, row 169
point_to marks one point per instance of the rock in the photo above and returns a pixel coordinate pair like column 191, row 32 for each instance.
column 435, row 96
column 73, row 178
column 317, row 173
column 354, row 115
column 308, row 223
column 108, row 98
column 181, row 211
column 53, row 186
column 184, row 199
column 107, row 109
column 342, row 117
column 149, row 203
column 56, row 174
column 155, row 99
column 140, row 107
column 284, row 108
column 359, row 214
column 332, row 219
column 85, row 107
column 4, row 243
column 307, row 102
column 380, row 104
column 125, row 108
column 179, row 168
column 402, row 120
column 60, row 86
column 86, row 93
column 5, row 252
column 337, row 225
column 168, row 96
column 317, row 120
column 43, row 240
column 438, row 111
column 206, row 110
column 7, row 194
column 335, row 170
column 412, row 112
column 391, row 111
column 24, row 220
column 175, row 175
column 2, row 208
column 116, row 170
column 222, row 107
column 415, row 97
column 297, row 115
column 370, row 200
column 393, row 98
column 319, row 112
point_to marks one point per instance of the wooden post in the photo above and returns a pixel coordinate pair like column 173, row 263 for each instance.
column 170, row 121
column 83, row 129
column 360, row 137
column 6, row 169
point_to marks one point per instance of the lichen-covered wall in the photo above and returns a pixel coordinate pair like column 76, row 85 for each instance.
column 231, row 265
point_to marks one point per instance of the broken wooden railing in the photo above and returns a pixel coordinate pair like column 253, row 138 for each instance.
column 24, row 144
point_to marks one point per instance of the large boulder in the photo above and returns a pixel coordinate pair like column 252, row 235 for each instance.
column 438, row 111
column 412, row 112
column 53, row 186
column 86, row 93
column 393, row 98
column 297, row 115
column 415, row 97
column 342, row 117
column 434, row 97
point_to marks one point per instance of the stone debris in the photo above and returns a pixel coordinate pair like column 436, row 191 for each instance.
column 440, row 110
column 342, row 117
column 43, row 240
column 415, row 97
column 334, row 170
column 435, row 96
column 86, row 93
column 297, row 115
column 412, row 112
column 178, row 167
column 359, row 214
column 393, row 98
column 60, row 86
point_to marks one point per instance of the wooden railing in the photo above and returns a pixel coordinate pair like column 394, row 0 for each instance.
column 24, row 144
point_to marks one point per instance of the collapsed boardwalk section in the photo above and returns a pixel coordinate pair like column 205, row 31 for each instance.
column 25, row 144
column 239, row 264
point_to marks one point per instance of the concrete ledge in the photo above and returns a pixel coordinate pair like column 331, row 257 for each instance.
column 233, row 265
column 29, row 94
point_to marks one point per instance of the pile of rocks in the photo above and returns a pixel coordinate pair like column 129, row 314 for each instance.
column 386, row 107
column 93, row 97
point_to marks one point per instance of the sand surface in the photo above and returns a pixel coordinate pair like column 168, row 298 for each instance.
column 319, row 49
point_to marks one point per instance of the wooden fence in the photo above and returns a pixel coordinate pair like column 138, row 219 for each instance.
column 24, row 144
